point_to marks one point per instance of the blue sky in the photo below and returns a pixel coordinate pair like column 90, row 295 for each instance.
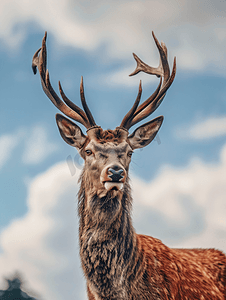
column 179, row 181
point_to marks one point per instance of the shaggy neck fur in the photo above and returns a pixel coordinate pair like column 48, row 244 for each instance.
column 108, row 244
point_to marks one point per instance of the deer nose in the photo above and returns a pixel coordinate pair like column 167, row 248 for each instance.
column 115, row 173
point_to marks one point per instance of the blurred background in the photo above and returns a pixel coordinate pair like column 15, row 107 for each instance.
column 178, row 181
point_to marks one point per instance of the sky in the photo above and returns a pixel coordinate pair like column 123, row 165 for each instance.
column 178, row 181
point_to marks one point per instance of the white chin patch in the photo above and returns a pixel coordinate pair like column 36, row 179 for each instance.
column 110, row 185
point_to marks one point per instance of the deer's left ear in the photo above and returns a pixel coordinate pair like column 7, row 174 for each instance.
column 144, row 134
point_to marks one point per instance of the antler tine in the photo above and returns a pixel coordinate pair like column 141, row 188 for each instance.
column 162, row 71
column 85, row 106
column 35, row 61
column 147, row 102
column 125, row 122
column 141, row 66
column 71, row 104
column 163, row 59
column 72, row 111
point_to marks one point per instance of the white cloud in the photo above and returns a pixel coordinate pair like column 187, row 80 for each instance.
column 185, row 207
column 43, row 245
column 8, row 143
column 37, row 147
column 207, row 129
column 193, row 30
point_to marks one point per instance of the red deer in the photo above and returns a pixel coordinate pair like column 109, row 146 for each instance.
column 117, row 262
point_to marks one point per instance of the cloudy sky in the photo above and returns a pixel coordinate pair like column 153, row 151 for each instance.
column 179, row 181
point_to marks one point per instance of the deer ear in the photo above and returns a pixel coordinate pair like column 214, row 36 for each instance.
column 144, row 134
column 70, row 132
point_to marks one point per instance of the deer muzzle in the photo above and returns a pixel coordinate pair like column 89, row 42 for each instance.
column 113, row 177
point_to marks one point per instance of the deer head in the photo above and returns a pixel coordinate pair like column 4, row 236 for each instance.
column 107, row 153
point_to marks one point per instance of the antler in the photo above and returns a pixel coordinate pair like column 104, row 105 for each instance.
column 69, row 109
column 138, row 113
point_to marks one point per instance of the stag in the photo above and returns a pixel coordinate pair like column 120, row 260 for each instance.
column 117, row 262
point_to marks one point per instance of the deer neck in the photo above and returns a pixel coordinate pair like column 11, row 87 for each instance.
column 108, row 243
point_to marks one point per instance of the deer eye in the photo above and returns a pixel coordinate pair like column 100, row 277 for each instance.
column 88, row 152
column 130, row 153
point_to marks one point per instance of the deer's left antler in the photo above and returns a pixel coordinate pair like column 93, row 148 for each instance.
column 138, row 113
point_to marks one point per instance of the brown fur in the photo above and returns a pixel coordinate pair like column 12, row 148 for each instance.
column 109, row 135
column 120, row 264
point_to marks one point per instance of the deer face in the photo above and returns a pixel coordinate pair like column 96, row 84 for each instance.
column 107, row 153
column 108, row 164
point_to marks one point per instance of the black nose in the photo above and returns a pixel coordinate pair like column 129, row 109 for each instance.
column 116, row 173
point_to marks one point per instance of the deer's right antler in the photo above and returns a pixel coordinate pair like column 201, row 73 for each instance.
column 138, row 113
column 69, row 109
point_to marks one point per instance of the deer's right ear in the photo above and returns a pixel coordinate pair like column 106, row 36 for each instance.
column 144, row 134
column 70, row 132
